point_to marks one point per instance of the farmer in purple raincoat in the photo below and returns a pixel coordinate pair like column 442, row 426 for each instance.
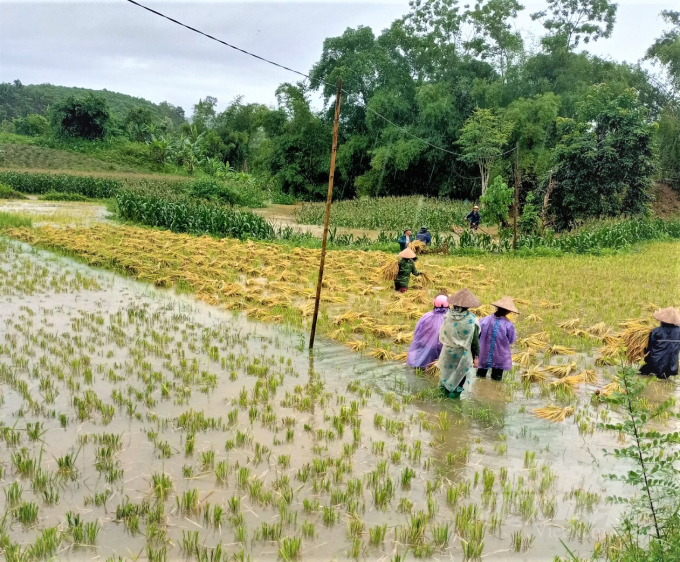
column 497, row 335
column 426, row 347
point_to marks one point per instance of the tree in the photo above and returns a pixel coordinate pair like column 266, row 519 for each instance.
column 666, row 49
column 496, row 202
column 137, row 123
column 570, row 21
column 88, row 117
column 495, row 37
column 204, row 114
column 482, row 139
column 604, row 159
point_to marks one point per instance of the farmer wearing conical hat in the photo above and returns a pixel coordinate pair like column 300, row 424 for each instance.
column 426, row 347
column 663, row 347
column 498, row 334
column 459, row 336
column 407, row 267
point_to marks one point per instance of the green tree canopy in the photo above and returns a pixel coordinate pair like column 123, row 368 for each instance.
column 88, row 117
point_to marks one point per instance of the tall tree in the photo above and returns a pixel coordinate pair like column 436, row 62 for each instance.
column 482, row 139
column 204, row 114
column 666, row 49
column 569, row 22
column 604, row 160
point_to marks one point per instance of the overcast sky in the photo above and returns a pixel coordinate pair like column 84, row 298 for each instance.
column 120, row 47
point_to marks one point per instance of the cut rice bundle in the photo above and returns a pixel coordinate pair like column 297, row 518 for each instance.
column 553, row 413
column 417, row 246
column 570, row 324
column 547, row 304
column 560, row 370
column 403, row 337
column 525, row 358
column 605, row 361
column 572, row 380
column 389, row 271
column 401, row 356
column 534, row 375
column 349, row 316
column 560, row 350
column 599, row 330
column 635, row 337
column 589, row 376
column 356, row 345
column 381, row 354
column 534, row 318
column 482, row 311
column 612, row 387
column 432, row 369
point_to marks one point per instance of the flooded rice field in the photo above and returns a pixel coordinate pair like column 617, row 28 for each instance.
column 139, row 424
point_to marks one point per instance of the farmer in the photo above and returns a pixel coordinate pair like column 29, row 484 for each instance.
column 459, row 336
column 498, row 334
column 424, row 235
column 405, row 239
column 663, row 347
column 474, row 218
column 407, row 267
column 426, row 346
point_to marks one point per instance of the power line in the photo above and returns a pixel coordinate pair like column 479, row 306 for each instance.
column 258, row 57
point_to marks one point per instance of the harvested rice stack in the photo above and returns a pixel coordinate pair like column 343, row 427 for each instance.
column 635, row 336
column 482, row 311
column 432, row 370
column 571, row 380
column 381, row 354
column 389, row 271
column 356, row 345
column 554, row 413
column 598, row 330
column 401, row 356
column 534, row 318
column 547, row 304
column 349, row 316
column 589, row 376
column 560, row 350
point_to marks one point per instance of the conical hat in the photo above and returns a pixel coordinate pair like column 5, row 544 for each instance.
column 407, row 253
column 668, row 315
column 465, row 299
column 507, row 303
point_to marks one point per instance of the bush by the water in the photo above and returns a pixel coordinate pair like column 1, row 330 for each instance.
column 62, row 196
column 180, row 213
column 243, row 192
column 6, row 192
column 389, row 213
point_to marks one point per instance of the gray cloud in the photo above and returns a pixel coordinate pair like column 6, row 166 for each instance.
column 120, row 47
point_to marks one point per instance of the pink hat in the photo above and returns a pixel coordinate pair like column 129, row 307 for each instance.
column 441, row 301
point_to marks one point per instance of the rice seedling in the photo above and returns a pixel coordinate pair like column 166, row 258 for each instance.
column 290, row 548
column 26, row 513
column 161, row 485
column 553, row 413
column 521, row 543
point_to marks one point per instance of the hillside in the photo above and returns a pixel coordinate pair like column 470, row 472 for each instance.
column 19, row 100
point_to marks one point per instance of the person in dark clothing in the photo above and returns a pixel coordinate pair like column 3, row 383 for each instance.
column 663, row 347
column 407, row 267
column 405, row 239
column 474, row 218
column 424, row 236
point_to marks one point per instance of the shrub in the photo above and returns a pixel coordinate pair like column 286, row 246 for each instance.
column 88, row 117
column 180, row 213
column 32, row 125
column 6, row 192
column 496, row 202
column 530, row 220
column 62, row 196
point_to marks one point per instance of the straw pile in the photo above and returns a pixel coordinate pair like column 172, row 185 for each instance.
column 417, row 246
column 560, row 370
column 389, row 271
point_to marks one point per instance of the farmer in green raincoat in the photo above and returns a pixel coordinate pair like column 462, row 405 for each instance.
column 459, row 336
column 407, row 267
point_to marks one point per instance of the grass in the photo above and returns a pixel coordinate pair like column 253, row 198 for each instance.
column 389, row 213
column 6, row 192
column 13, row 220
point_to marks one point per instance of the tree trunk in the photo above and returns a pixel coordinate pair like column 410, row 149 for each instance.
column 546, row 200
column 484, row 172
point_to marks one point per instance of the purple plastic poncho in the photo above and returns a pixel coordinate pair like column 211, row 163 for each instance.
column 497, row 335
column 425, row 347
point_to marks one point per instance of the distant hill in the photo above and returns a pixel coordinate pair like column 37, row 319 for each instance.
column 19, row 100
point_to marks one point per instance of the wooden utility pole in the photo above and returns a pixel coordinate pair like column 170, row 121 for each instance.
column 329, row 198
column 517, row 182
